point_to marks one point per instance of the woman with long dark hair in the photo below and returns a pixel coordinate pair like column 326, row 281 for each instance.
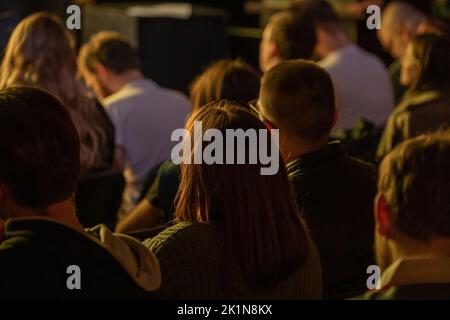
column 239, row 234
column 426, row 105
column 233, row 80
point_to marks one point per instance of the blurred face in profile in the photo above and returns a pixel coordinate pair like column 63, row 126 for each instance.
column 410, row 68
column 267, row 50
column 394, row 39
column 97, row 81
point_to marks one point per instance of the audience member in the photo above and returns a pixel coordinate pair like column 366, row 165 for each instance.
column 288, row 35
column 40, row 53
column 144, row 114
column 425, row 107
column 239, row 233
column 361, row 82
column 334, row 192
column 400, row 22
column 233, row 80
column 412, row 214
column 43, row 240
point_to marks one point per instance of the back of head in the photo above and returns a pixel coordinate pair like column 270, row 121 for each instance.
column 320, row 12
column 257, row 213
column 415, row 182
column 401, row 13
column 39, row 148
column 432, row 51
column 294, row 35
column 298, row 97
column 40, row 53
column 232, row 80
column 110, row 49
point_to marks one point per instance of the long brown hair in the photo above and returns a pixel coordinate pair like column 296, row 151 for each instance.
column 233, row 80
column 40, row 53
column 257, row 213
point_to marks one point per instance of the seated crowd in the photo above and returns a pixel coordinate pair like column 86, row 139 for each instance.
column 198, row 230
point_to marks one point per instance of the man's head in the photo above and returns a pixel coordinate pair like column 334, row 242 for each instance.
column 329, row 30
column 106, row 61
column 288, row 35
column 399, row 23
column 297, row 97
column 39, row 151
column 412, row 208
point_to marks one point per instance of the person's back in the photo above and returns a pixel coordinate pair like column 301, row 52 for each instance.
column 335, row 195
column 362, row 86
column 145, row 116
column 226, row 79
column 334, row 192
column 40, row 260
column 190, row 256
column 44, row 250
column 238, row 234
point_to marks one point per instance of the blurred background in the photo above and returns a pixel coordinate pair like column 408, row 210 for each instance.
column 176, row 40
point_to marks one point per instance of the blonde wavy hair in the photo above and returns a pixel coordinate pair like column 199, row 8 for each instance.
column 40, row 53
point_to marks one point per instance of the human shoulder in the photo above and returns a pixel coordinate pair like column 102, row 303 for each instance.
column 171, row 236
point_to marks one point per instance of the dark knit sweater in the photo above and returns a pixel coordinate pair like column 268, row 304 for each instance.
column 191, row 262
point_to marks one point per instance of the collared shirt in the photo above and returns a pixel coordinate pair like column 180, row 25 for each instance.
column 414, row 277
column 417, row 270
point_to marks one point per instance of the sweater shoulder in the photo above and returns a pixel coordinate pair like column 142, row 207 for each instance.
column 195, row 232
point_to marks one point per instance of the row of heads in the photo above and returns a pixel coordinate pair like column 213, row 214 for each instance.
column 41, row 51
column 39, row 164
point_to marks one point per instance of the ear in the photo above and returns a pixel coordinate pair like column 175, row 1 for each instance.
column 335, row 117
column 101, row 71
column 383, row 217
column 274, row 52
column 404, row 33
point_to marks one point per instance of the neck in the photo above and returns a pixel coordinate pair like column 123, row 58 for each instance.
column 127, row 77
column 301, row 148
column 328, row 42
column 435, row 247
column 63, row 212
column 272, row 63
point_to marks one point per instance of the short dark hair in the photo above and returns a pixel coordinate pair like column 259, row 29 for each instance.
column 298, row 96
column 112, row 50
column 39, row 147
column 416, row 186
column 293, row 34
column 318, row 11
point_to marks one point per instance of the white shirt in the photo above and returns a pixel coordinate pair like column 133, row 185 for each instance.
column 363, row 88
column 144, row 116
